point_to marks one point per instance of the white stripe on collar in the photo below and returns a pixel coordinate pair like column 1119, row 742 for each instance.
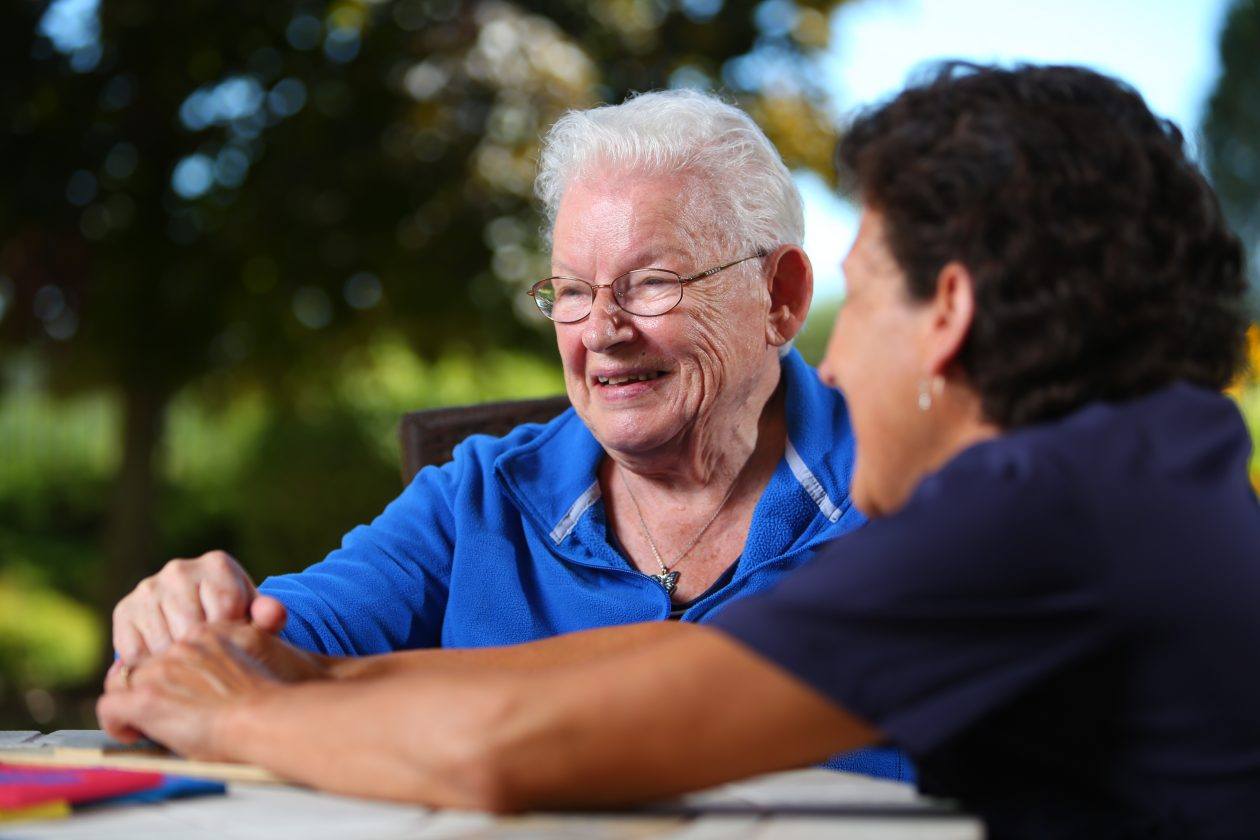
column 815, row 490
column 810, row 483
column 570, row 520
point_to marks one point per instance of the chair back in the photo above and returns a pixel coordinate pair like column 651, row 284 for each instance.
column 429, row 437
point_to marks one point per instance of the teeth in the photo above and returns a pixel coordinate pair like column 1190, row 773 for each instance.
column 622, row 380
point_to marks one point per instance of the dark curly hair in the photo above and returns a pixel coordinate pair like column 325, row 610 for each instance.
column 1103, row 267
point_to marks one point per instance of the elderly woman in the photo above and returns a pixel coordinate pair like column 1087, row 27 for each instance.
column 1055, row 611
column 701, row 461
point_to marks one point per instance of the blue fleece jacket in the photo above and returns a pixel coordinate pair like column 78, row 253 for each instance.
column 509, row 543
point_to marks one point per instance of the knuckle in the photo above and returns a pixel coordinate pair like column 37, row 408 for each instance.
column 224, row 594
column 179, row 570
column 217, row 560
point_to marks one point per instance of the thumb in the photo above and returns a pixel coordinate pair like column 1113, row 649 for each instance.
column 268, row 614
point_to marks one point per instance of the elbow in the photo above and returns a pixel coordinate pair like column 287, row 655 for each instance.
column 483, row 762
column 483, row 780
column 491, row 788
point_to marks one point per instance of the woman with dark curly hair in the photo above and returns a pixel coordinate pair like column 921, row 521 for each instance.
column 1055, row 608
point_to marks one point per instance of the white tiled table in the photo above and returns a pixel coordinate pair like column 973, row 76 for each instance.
column 785, row 806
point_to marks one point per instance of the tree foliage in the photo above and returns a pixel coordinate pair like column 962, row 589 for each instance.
column 226, row 193
column 1231, row 129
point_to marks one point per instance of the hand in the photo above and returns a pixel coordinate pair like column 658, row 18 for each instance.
column 184, row 595
column 281, row 660
column 179, row 698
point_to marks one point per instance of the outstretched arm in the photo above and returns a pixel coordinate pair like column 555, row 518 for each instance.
column 688, row 709
column 566, row 649
column 291, row 664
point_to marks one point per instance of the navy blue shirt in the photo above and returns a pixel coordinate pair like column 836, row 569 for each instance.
column 1061, row 626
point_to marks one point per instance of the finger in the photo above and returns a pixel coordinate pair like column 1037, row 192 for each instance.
column 181, row 608
column 226, row 601
column 166, row 718
column 249, row 639
column 226, row 589
column 268, row 614
column 177, row 672
column 128, row 643
column 115, row 713
column 117, row 676
column 151, row 623
column 194, row 667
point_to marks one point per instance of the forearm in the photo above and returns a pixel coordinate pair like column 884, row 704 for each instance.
column 566, row 649
column 405, row 739
column 683, row 711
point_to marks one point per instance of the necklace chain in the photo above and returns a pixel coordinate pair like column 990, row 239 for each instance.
column 668, row 578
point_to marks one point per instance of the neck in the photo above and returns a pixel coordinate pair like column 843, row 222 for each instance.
column 707, row 457
column 964, row 426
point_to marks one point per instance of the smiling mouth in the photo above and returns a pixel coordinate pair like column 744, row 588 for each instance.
column 633, row 377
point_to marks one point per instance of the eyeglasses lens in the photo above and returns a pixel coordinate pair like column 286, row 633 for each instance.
column 648, row 291
column 643, row 292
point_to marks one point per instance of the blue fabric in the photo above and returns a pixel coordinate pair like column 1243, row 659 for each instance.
column 508, row 542
column 171, row 787
column 1060, row 626
column 884, row 762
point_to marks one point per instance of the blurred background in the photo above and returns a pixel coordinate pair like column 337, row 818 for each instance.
column 239, row 239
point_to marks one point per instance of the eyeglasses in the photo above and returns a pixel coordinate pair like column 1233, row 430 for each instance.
column 646, row 292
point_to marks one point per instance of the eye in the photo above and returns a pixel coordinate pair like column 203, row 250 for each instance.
column 649, row 282
column 569, row 289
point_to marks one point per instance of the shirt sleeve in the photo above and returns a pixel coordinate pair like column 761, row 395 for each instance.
column 386, row 587
column 923, row 622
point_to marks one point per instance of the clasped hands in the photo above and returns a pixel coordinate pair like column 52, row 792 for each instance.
column 195, row 642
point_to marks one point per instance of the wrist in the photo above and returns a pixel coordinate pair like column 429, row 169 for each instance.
column 236, row 726
column 364, row 667
column 338, row 667
column 323, row 666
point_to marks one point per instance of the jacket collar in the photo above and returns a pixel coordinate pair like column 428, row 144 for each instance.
column 554, row 482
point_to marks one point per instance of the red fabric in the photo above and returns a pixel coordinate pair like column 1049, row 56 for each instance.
column 22, row 785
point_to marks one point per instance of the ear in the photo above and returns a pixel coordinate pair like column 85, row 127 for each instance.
column 790, row 282
column 952, row 311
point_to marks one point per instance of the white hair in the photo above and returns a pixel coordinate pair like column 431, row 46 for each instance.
column 749, row 198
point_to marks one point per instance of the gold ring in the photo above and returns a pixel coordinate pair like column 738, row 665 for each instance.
column 125, row 673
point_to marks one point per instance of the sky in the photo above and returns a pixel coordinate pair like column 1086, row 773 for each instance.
column 1167, row 49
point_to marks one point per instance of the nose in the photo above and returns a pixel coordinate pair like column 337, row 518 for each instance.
column 829, row 368
column 608, row 324
column 828, row 376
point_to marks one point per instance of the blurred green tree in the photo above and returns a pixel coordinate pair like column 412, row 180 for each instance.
column 208, row 195
column 1231, row 129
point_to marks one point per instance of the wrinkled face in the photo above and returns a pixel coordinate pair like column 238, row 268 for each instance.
column 874, row 358
column 642, row 383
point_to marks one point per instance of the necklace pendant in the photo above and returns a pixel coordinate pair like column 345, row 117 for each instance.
column 667, row 580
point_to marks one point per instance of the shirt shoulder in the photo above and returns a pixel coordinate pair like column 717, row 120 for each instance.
column 984, row 583
column 1005, row 515
column 476, row 455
